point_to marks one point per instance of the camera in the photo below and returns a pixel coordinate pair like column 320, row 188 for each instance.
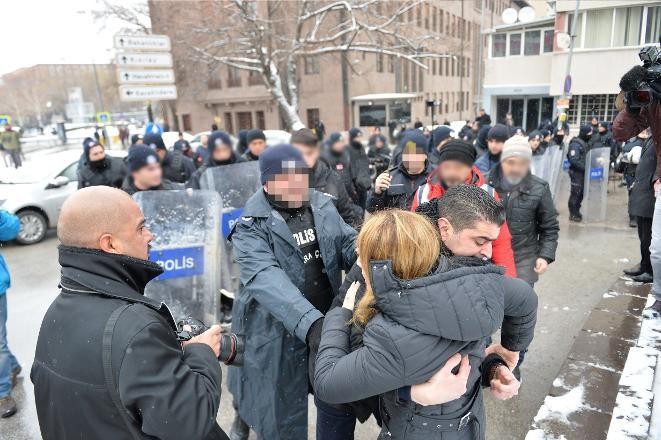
column 231, row 345
column 649, row 80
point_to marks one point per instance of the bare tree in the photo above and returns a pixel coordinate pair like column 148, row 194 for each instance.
column 273, row 38
column 134, row 16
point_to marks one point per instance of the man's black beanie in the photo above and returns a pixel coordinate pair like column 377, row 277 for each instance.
column 458, row 150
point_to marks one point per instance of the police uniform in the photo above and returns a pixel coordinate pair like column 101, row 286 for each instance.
column 578, row 150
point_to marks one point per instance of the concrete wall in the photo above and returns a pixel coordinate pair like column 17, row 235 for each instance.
column 521, row 70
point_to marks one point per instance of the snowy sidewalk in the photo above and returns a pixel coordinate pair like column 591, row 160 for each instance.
column 605, row 387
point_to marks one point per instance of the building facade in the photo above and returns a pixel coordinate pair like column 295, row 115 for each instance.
column 338, row 89
column 526, row 66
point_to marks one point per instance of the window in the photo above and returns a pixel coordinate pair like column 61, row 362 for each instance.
column 414, row 78
column 498, row 42
column 447, row 65
column 400, row 111
column 254, row 78
column 598, row 28
column 391, row 64
column 405, row 79
column 628, row 24
column 468, row 67
column 433, row 21
column 421, row 79
column 579, row 28
column 440, row 22
column 245, row 120
column 531, row 45
column 313, row 116
column 229, row 127
column 453, row 72
column 418, row 19
column 186, row 122
column 233, row 77
column 372, row 115
column 583, row 107
column 213, row 82
column 261, row 121
column 548, row 40
column 447, row 23
column 311, row 65
column 515, row 44
column 379, row 62
column 653, row 24
column 71, row 172
column 433, row 67
column 454, row 25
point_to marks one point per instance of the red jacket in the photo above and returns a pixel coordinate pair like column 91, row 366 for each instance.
column 627, row 125
column 502, row 246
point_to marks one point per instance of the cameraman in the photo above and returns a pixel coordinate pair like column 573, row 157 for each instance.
column 108, row 362
column 635, row 117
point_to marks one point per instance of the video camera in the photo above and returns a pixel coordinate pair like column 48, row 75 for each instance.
column 642, row 84
column 231, row 345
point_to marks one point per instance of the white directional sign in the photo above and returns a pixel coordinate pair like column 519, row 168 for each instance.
column 147, row 93
column 156, row 76
column 142, row 42
column 144, row 59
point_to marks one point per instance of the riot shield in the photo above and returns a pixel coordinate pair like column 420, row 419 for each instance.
column 555, row 165
column 596, row 184
column 235, row 184
column 187, row 245
column 540, row 166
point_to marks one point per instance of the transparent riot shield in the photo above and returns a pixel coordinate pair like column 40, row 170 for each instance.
column 596, row 184
column 235, row 184
column 555, row 166
column 540, row 166
column 186, row 244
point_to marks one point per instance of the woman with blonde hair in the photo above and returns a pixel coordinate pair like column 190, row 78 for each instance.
column 420, row 309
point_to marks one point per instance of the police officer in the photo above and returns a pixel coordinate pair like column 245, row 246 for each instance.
column 176, row 166
column 536, row 142
column 439, row 137
column 145, row 173
column 256, row 140
column 323, row 178
column 336, row 155
column 220, row 152
column 291, row 246
column 360, row 167
column 99, row 168
column 578, row 150
column 395, row 187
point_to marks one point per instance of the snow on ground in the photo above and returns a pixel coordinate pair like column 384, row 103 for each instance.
column 539, row 434
column 560, row 407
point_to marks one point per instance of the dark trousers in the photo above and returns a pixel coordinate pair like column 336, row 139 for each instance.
column 645, row 237
column 16, row 157
column 334, row 422
column 576, row 192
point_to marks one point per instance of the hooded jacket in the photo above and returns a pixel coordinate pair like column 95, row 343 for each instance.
column 433, row 188
column 110, row 173
column 9, row 229
column 117, row 342
column 421, row 323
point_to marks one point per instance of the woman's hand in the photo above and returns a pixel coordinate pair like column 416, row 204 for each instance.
column 350, row 297
column 444, row 386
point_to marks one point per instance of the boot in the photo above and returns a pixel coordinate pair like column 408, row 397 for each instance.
column 239, row 430
column 643, row 278
column 7, row 407
column 575, row 218
column 634, row 271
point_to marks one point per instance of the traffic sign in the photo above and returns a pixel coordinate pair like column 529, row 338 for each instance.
column 5, row 120
column 103, row 118
column 145, row 93
column 142, row 42
column 155, row 76
column 567, row 85
column 144, row 59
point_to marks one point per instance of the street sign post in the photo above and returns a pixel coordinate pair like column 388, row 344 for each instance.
column 147, row 93
column 103, row 118
column 144, row 59
column 155, row 76
column 5, row 120
column 142, row 42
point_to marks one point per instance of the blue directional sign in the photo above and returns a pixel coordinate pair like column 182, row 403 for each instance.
column 5, row 120
column 596, row 174
column 179, row 262
column 228, row 220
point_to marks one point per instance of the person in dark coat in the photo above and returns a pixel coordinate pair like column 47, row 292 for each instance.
column 323, row 178
column 256, row 141
column 183, row 146
column 496, row 137
column 360, row 167
column 320, row 130
column 291, row 246
column 481, row 144
column 176, row 167
column 378, row 154
column 631, row 152
column 335, row 153
column 577, row 153
column 405, row 342
column 395, row 187
column 242, row 143
column 439, row 137
column 100, row 169
column 220, row 154
column 466, row 133
column 530, row 212
column 145, row 173
column 602, row 138
column 201, row 155
column 535, row 141
column 121, row 372
column 483, row 119
column 641, row 206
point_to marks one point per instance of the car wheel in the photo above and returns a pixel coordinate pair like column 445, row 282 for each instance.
column 33, row 227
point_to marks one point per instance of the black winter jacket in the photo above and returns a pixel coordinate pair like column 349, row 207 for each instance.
column 83, row 359
column 342, row 165
column 177, row 167
column 641, row 197
column 532, row 220
column 576, row 154
column 360, row 167
column 421, row 324
column 401, row 192
column 112, row 173
column 325, row 180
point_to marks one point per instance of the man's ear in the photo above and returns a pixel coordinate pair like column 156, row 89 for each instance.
column 108, row 244
column 445, row 228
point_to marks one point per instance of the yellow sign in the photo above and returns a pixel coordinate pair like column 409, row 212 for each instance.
column 562, row 103
column 103, row 118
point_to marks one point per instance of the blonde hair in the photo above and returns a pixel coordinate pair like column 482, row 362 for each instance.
column 408, row 239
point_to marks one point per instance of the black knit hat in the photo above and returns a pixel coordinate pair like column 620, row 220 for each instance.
column 154, row 141
column 140, row 156
column 458, row 150
column 254, row 135
column 278, row 159
column 88, row 143
column 499, row 132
